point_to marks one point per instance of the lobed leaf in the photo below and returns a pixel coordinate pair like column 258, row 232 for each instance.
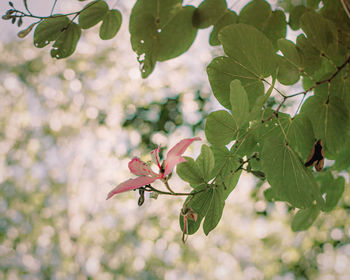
column 250, row 48
column 321, row 32
column 160, row 30
column 229, row 17
column 92, row 14
column 304, row 218
column 288, row 177
column 222, row 70
column 330, row 120
column 190, row 172
column 206, row 163
column 220, row 128
column 66, row 42
column 332, row 188
column 49, row 29
column 110, row 25
column 208, row 13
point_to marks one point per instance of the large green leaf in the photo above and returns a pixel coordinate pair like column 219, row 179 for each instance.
column 230, row 17
column 206, row 163
column 239, row 103
column 220, row 128
column 66, row 42
column 49, row 29
column 190, row 172
column 255, row 13
column 222, row 70
column 321, row 32
column 332, row 188
column 304, row 218
column 287, row 175
column 330, row 120
column 160, row 30
column 258, row 13
column 110, row 25
column 92, row 14
column 208, row 13
column 250, row 48
column 216, row 207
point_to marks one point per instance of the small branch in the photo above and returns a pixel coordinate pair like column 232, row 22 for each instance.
column 276, row 89
column 53, row 7
column 167, row 186
column 339, row 68
column 149, row 188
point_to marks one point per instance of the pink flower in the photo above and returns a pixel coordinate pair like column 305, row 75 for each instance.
column 146, row 174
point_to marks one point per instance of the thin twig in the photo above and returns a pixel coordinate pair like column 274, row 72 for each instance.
column 53, row 7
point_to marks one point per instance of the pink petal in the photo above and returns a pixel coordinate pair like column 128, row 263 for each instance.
column 140, row 168
column 155, row 156
column 174, row 156
column 131, row 184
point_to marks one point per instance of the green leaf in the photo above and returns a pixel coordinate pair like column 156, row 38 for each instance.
column 342, row 161
column 208, row 13
column 272, row 23
column 249, row 48
column 160, row 30
column 66, row 42
column 110, row 25
column 290, row 52
column 321, row 32
column 304, row 218
column 49, row 29
column 230, row 17
column 288, row 74
column 255, row 13
column 226, row 164
column 330, row 121
column 92, row 14
column 332, row 188
column 300, row 135
column 220, row 128
column 190, row 172
column 222, row 70
column 216, row 207
column 200, row 204
column 287, row 175
column 295, row 15
column 239, row 103
column 311, row 56
column 275, row 27
column 206, row 163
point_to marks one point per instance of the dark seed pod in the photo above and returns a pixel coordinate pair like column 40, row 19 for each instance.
column 141, row 198
column 13, row 20
column 19, row 22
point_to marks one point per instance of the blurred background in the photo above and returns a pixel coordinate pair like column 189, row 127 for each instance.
column 67, row 131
